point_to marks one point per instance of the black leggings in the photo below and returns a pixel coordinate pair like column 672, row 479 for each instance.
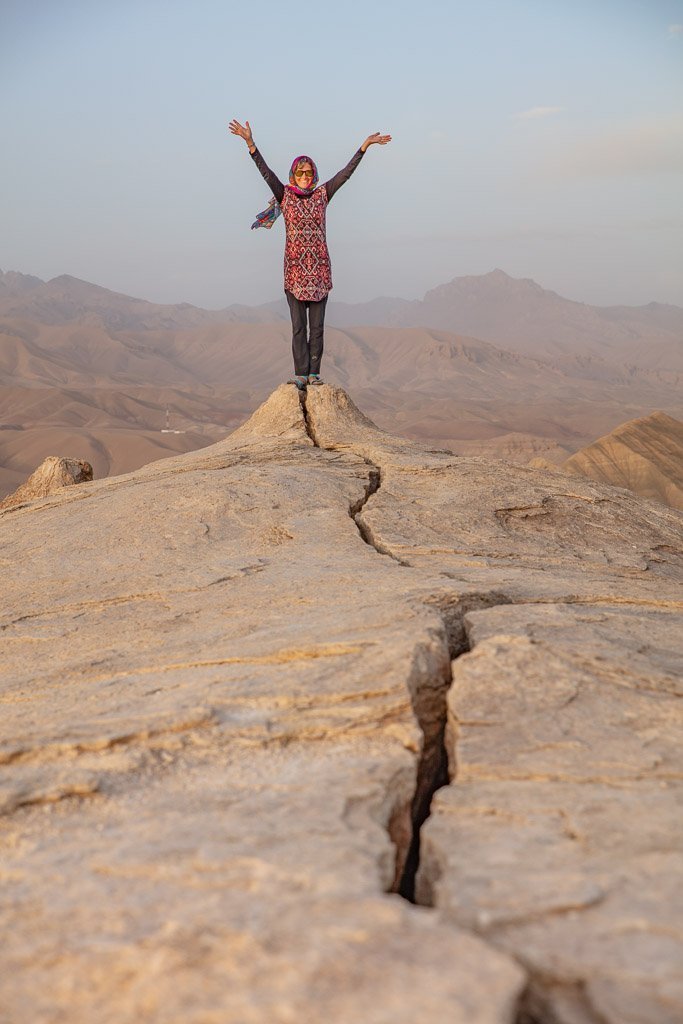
column 307, row 351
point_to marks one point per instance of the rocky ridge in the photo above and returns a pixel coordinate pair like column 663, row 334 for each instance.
column 645, row 455
column 236, row 683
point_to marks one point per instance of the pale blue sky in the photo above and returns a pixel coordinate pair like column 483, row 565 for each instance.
column 544, row 138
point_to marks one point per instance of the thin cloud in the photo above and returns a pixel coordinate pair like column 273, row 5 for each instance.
column 642, row 146
column 527, row 115
column 675, row 30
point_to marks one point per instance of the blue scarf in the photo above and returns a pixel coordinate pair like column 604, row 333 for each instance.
column 266, row 218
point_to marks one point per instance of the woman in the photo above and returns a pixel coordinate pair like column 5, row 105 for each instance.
column 308, row 273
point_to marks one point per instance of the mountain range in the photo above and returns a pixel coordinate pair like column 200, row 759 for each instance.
column 484, row 365
column 514, row 313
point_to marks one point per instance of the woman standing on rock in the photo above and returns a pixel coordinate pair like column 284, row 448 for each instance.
column 308, row 273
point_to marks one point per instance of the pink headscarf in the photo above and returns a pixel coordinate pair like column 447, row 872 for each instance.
column 292, row 180
column 267, row 217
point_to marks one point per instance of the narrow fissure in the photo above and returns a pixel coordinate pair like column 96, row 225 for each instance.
column 429, row 697
column 307, row 422
column 373, row 484
column 435, row 769
column 432, row 775
column 371, row 487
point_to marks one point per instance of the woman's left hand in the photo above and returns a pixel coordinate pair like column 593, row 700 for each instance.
column 381, row 140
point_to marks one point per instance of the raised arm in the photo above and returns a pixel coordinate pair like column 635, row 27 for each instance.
column 271, row 179
column 343, row 176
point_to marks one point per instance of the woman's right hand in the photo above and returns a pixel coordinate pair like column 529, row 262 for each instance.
column 244, row 131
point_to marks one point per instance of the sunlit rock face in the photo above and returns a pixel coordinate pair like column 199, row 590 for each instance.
column 51, row 475
column 645, row 455
column 233, row 682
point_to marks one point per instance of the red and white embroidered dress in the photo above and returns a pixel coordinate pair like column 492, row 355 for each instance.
column 308, row 272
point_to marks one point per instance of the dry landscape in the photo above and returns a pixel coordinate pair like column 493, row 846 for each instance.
column 645, row 456
column 359, row 702
column 236, row 683
column 309, row 720
column 487, row 365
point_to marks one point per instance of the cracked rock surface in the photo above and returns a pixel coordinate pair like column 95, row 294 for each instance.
column 224, row 698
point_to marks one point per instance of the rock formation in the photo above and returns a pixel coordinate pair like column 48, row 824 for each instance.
column 92, row 371
column 224, row 724
column 645, row 455
column 52, row 474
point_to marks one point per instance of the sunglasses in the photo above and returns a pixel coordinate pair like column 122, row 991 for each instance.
column 303, row 174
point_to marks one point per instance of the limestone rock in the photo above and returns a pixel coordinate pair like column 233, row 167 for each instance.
column 218, row 743
column 52, row 474
column 561, row 840
column 473, row 520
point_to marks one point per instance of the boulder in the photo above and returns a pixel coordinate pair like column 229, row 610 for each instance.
column 52, row 474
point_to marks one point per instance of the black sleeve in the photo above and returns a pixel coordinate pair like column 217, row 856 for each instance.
column 272, row 180
column 341, row 176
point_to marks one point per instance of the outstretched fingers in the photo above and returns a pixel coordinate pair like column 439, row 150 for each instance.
column 237, row 129
column 377, row 139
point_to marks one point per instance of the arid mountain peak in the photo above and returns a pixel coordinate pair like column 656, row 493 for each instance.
column 14, row 283
column 494, row 284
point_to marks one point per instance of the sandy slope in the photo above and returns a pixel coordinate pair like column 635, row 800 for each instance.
column 644, row 455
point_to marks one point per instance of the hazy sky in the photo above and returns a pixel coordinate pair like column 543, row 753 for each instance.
column 544, row 138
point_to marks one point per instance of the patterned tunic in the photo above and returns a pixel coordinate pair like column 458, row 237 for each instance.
column 308, row 273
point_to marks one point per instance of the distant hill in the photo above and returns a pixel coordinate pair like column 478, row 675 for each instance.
column 13, row 283
column 645, row 455
column 78, row 361
column 514, row 313
column 595, row 342
column 66, row 299
column 518, row 314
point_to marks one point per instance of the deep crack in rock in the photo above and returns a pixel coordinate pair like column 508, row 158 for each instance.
column 373, row 484
column 429, row 699
column 429, row 685
column 429, row 707
column 307, row 422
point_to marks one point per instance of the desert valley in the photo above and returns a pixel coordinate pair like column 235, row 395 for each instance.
column 311, row 718
column 484, row 365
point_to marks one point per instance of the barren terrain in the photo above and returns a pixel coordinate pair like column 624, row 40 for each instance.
column 87, row 373
column 258, row 698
